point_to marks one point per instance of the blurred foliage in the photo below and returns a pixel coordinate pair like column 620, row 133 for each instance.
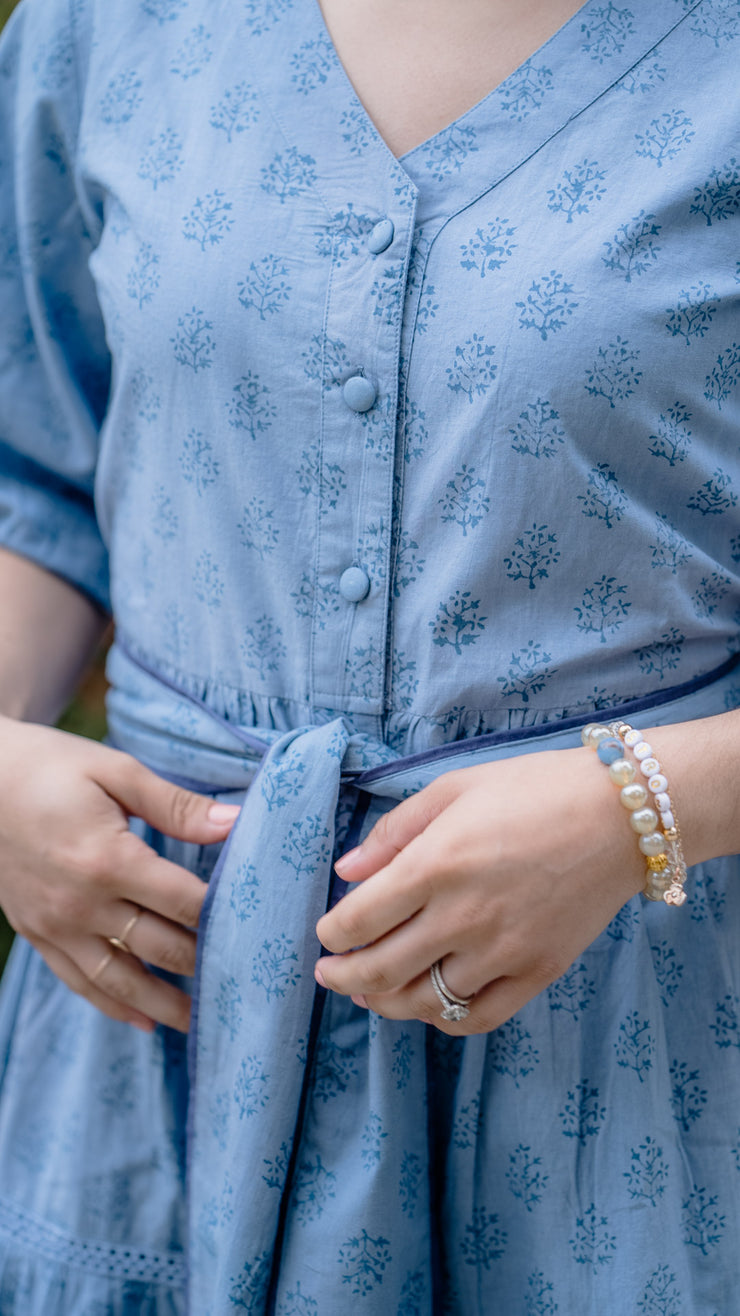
column 6, row 9
column 84, row 717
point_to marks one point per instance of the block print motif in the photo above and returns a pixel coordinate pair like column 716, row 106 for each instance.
column 633, row 250
column 528, row 673
column 237, row 110
column 144, row 276
column 665, row 138
column 525, row 1177
column 163, row 159
column 549, row 303
column 578, row 189
column 723, row 380
column 465, row 503
column 703, row 1224
column 209, row 220
column 533, row 554
column 458, row 621
column 525, row 91
column 582, row 1115
column 660, row 1296
column 606, row 31
column 635, row 1045
column 718, row 197
column 593, row 1244
column 538, row 432
column 663, row 655
column 490, row 248
column 688, row 1095
column 193, row 55
column 364, row 1261
column 693, row 314
column 540, row 1296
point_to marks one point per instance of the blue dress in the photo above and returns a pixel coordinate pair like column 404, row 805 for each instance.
column 383, row 467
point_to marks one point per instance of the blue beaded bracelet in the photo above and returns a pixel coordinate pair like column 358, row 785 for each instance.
column 666, row 866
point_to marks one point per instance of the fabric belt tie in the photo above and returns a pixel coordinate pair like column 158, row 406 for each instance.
column 257, row 946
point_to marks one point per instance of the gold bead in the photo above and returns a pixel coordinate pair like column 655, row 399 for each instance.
column 671, row 833
column 657, row 862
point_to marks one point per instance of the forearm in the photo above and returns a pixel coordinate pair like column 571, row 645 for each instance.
column 702, row 762
column 48, row 635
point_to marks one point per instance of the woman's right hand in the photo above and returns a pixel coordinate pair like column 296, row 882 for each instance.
column 72, row 874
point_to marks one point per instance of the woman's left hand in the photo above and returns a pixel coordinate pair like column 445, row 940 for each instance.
column 505, row 872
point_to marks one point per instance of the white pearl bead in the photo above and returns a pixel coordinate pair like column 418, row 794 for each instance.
column 649, row 767
column 652, row 844
column 598, row 734
column 662, row 800
column 586, row 732
column 644, row 821
column 642, row 751
column 658, row 783
column 622, row 771
column 667, row 819
column 634, row 796
column 633, row 738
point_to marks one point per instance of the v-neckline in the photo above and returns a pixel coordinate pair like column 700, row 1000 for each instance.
column 472, row 110
column 333, row 142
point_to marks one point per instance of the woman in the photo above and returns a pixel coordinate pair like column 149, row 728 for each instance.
column 399, row 437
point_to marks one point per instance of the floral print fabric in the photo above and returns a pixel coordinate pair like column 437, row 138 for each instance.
column 401, row 453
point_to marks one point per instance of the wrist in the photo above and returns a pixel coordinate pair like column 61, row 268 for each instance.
column 702, row 762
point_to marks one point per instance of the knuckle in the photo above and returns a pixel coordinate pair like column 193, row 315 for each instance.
column 382, row 832
column 473, row 912
column 119, row 984
column 511, row 948
column 548, row 968
column 187, row 912
column 376, row 981
column 173, row 957
column 89, row 861
column 181, row 808
column 347, row 922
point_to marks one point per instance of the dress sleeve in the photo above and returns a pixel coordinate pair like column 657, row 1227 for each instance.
column 54, row 360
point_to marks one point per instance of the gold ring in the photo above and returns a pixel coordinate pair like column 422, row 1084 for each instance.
column 102, row 965
column 120, row 943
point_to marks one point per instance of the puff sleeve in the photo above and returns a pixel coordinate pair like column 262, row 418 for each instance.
column 54, row 360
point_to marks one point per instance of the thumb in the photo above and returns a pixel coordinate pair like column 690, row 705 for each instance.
column 171, row 809
column 394, row 830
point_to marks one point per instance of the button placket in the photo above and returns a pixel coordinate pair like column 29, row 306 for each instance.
column 350, row 665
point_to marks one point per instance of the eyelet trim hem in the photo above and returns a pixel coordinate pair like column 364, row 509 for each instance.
column 95, row 1258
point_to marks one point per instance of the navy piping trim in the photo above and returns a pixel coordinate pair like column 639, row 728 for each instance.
column 362, row 778
column 625, row 711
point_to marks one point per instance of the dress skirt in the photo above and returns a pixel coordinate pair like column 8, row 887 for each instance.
column 311, row 1157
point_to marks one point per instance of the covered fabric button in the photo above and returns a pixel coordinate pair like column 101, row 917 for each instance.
column 381, row 236
column 354, row 584
column 359, row 393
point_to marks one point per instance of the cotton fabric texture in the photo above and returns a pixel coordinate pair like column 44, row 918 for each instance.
column 383, row 467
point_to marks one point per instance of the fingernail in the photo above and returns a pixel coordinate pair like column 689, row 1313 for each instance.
column 318, row 975
column 347, row 860
column 223, row 813
column 360, row 1000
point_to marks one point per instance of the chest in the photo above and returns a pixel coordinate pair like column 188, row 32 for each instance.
column 417, row 65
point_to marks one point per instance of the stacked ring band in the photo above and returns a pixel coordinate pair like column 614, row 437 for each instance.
column 120, row 943
column 455, row 1007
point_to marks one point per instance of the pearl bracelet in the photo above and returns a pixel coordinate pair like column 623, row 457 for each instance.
column 666, row 866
